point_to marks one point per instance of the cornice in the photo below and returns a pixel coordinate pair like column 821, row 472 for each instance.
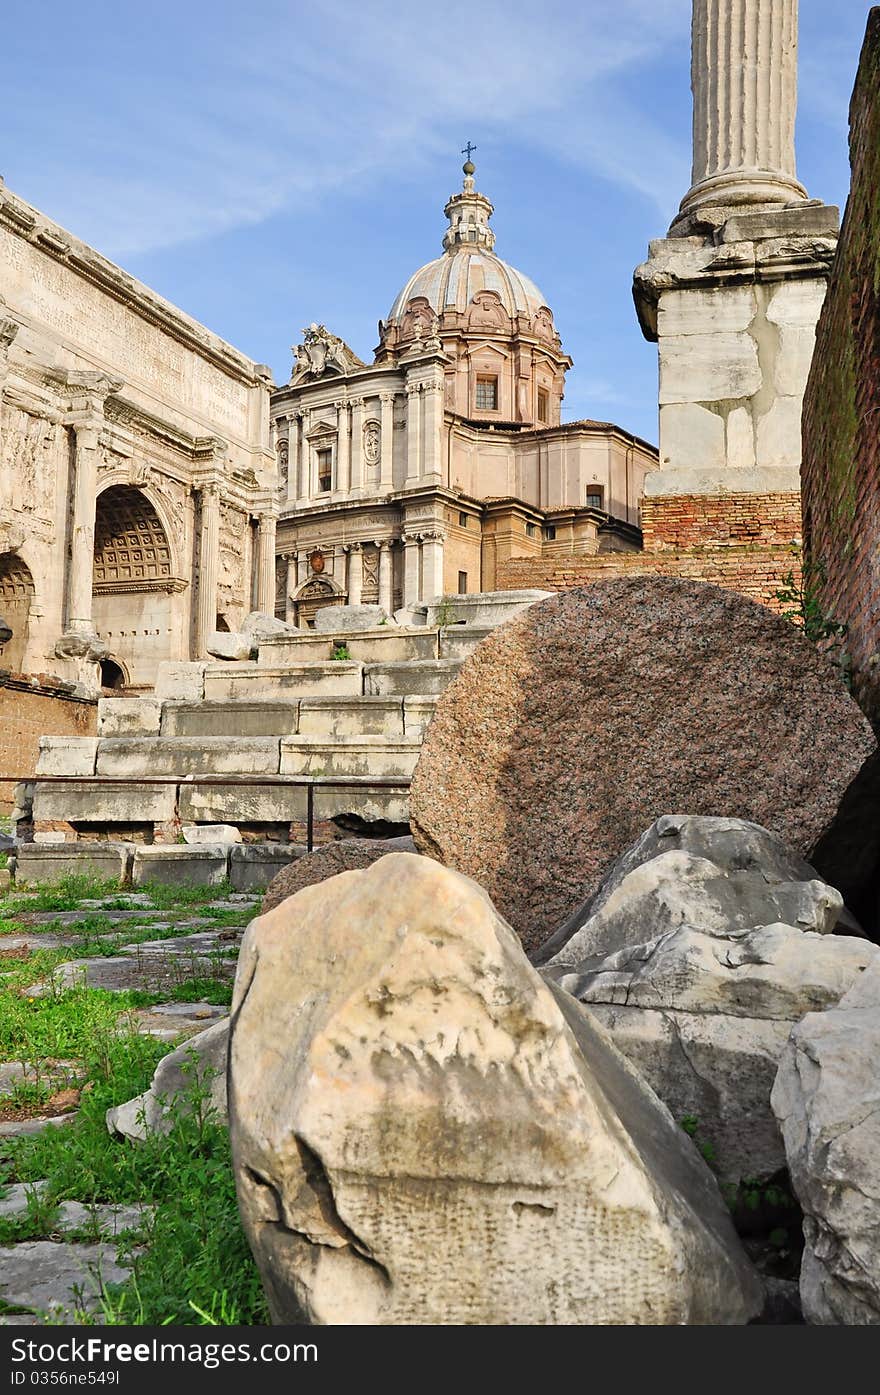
column 28, row 223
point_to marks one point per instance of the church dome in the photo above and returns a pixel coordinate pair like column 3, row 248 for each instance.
column 468, row 265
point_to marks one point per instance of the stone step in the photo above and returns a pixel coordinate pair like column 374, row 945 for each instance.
column 423, row 677
column 142, row 756
column 338, row 678
column 267, row 804
column 387, row 644
column 374, row 757
column 231, row 718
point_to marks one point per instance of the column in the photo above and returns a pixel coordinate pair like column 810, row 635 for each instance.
column 266, row 563
column 432, row 565
column 744, row 80
column 293, row 458
column 343, row 448
column 386, row 588
column 386, row 478
column 432, row 395
column 304, row 474
column 355, row 574
column 413, row 433
column 82, row 555
column 357, row 444
column 302, row 568
column 411, row 569
column 209, row 538
column 290, row 587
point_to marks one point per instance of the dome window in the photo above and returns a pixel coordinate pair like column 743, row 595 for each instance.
column 543, row 405
column 594, row 497
column 487, row 394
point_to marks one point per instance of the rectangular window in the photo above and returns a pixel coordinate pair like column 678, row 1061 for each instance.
column 325, row 469
column 487, row 394
column 462, row 520
column 462, row 583
column 594, row 496
column 530, row 530
column 550, row 532
column 543, row 405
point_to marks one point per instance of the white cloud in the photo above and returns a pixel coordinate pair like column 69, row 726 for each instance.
column 296, row 101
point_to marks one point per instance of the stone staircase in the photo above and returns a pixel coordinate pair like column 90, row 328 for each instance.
column 294, row 711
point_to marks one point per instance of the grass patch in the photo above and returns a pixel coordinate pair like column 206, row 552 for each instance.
column 170, row 897
column 196, row 1265
column 63, row 895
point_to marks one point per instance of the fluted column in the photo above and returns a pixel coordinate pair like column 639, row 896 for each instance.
column 413, row 433
column 744, row 80
column 82, row 552
column 343, row 448
column 386, row 597
column 266, row 563
column 209, row 540
column 355, row 574
column 386, row 478
column 357, row 444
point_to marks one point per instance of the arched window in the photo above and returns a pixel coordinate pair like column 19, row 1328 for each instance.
column 130, row 542
column 16, row 595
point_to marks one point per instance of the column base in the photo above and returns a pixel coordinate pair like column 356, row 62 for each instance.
column 82, row 644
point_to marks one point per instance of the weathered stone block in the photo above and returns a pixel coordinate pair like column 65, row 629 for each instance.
column 341, row 619
column 181, row 681
column 233, row 718
column 484, row 609
column 459, row 641
column 129, row 716
column 366, row 756
column 344, row 717
column 420, row 676
column 107, row 804
column 725, row 311
column 692, row 435
column 143, row 756
column 338, row 678
column 173, row 864
column 5, row 879
column 217, row 833
column 252, row 866
column 708, row 368
column 67, row 755
column 242, row 804
column 46, row 862
column 488, row 1157
column 417, row 713
column 363, row 802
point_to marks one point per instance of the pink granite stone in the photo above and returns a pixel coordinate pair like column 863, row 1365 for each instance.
column 577, row 724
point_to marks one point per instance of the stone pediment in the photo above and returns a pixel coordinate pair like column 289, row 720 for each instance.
column 321, row 428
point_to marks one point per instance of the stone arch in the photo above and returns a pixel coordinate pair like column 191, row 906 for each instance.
column 314, row 595
column 131, row 543
column 17, row 592
column 133, row 582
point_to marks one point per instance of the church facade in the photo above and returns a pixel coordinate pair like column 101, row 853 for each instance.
column 420, row 474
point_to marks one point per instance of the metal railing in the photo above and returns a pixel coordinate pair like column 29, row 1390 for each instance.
column 309, row 783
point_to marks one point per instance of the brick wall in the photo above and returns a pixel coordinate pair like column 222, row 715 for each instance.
column 757, row 572
column 715, row 520
column 31, row 708
column 841, row 463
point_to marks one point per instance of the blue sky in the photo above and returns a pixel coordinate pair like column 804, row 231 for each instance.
column 268, row 164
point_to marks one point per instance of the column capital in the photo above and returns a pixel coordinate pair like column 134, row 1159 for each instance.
column 387, row 397
column 359, row 402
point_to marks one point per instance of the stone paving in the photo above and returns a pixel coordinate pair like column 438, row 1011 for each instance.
column 50, row 1278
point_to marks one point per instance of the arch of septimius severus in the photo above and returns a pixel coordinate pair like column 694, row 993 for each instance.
column 139, row 482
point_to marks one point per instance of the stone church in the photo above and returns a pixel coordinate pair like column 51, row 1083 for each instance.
column 415, row 476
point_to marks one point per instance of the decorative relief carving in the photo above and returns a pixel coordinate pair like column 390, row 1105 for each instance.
column 372, row 443
column 130, row 543
column 419, row 321
column 233, row 531
column 543, row 325
column 487, row 312
column 27, row 453
column 322, row 353
column 283, row 452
